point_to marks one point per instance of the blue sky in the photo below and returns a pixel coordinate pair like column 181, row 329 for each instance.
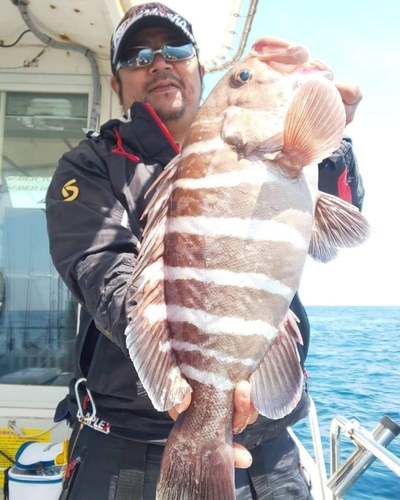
column 359, row 40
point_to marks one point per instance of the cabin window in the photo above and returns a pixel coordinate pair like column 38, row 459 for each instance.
column 37, row 312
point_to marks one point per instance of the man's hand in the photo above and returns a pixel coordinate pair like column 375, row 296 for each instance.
column 351, row 97
column 244, row 414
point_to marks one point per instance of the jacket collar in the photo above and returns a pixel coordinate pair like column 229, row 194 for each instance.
column 144, row 135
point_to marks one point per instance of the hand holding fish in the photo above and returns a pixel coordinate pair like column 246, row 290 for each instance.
column 351, row 97
column 244, row 414
column 286, row 57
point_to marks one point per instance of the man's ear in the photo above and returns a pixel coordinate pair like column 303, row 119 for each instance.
column 115, row 87
column 202, row 70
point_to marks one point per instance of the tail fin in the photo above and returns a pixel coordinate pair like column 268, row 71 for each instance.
column 194, row 468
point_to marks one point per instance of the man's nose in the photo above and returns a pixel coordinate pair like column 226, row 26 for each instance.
column 160, row 64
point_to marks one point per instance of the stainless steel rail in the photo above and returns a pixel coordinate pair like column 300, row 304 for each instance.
column 370, row 446
column 227, row 63
column 318, row 450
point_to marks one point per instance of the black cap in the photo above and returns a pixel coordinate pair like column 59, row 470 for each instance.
column 143, row 16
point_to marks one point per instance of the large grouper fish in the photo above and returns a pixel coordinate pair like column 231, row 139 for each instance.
column 230, row 224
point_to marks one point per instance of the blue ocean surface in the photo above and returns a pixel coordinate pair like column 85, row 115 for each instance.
column 354, row 372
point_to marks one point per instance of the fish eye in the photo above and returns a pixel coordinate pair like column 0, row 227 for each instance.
column 241, row 77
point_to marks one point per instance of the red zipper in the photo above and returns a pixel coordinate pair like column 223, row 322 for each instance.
column 162, row 127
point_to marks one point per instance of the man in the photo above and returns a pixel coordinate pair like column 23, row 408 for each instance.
column 94, row 240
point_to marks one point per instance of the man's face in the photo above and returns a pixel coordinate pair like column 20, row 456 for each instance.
column 173, row 89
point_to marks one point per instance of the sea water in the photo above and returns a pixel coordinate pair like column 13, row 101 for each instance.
column 354, row 372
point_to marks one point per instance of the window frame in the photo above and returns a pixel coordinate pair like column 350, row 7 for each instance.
column 39, row 401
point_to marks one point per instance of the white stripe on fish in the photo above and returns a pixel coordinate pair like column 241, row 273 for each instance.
column 154, row 272
column 164, row 346
column 210, row 353
column 254, row 177
column 256, row 281
column 244, row 229
column 156, row 314
column 202, row 147
column 208, row 378
column 209, row 323
column 205, row 121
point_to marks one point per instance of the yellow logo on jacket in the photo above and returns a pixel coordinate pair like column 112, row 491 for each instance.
column 70, row 191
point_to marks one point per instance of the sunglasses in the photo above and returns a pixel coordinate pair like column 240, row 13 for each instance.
column 137, row 57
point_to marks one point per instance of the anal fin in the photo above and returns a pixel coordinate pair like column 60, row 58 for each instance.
column 276, row 385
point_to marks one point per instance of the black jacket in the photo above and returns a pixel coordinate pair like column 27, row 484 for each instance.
column 94, row 204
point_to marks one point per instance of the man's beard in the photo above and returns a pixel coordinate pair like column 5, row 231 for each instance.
column 171, row 115
column 174, row 114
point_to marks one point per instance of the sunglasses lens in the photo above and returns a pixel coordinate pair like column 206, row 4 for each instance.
column 144, row 57
column 136, row 57
column 178, row 53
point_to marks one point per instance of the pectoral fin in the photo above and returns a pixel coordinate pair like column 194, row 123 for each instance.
column 276, row 385
column 314, row 125
column 337, row 224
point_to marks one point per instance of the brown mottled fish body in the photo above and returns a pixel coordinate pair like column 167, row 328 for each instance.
column 228, row 233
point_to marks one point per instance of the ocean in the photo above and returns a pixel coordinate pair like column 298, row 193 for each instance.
column 354, row 372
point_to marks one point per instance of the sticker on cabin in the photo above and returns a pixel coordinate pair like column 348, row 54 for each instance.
column 27, row 192
column 10, row 443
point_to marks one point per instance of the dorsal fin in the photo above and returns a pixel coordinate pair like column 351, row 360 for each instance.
column 337, row 224
column 147, row 335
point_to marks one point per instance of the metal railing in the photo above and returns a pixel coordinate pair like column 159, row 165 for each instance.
column 369, row 447
column 214, row 65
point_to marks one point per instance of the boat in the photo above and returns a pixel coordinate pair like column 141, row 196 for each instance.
column 54, row 85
